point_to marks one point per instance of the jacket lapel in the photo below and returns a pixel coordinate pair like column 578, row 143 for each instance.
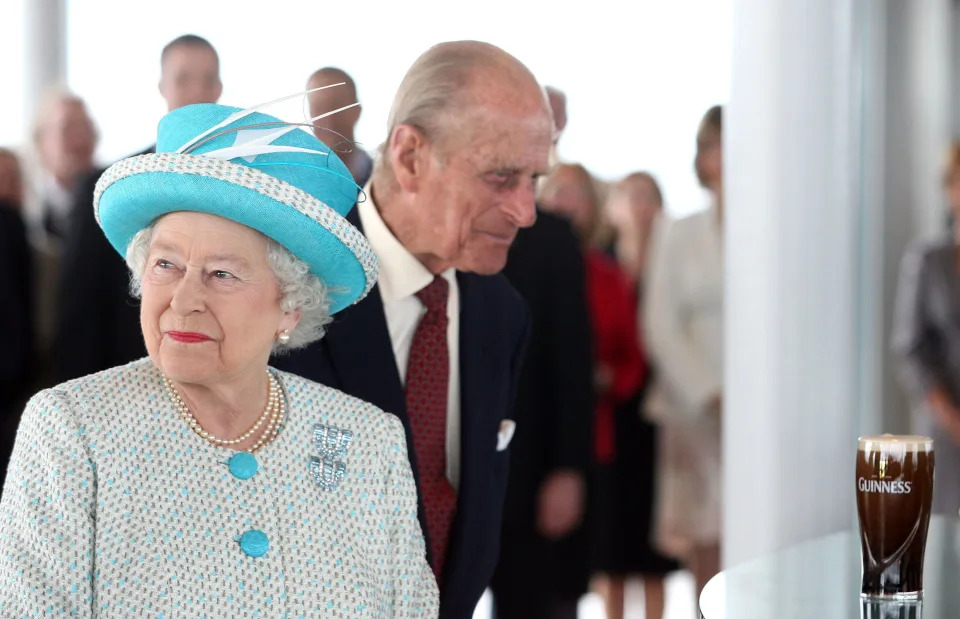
column 478, row 431
column 362, row 356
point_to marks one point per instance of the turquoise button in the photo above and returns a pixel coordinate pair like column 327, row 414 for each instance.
column 254, row 543
column 243, row 465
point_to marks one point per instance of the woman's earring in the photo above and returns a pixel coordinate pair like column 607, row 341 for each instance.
column 283, row 337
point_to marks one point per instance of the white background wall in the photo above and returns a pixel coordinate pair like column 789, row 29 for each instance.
column 791, row 274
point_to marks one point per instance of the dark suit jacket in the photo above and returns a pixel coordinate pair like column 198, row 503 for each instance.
column 554, row 408
column 356, row 356
column 97, row 321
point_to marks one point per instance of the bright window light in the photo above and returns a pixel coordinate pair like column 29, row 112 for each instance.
column 638, row 75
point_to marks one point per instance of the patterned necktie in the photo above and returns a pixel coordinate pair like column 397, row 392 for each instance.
column 427, row 383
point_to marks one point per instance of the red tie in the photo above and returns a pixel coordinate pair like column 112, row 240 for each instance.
column 427, row 384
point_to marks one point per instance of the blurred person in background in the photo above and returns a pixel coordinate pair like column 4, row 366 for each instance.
column 633, row 212
column 97, row 323
column 543, row 568
column 683, row 328
column 337, row 130
column 17, row 354
column 558, row 109
column 926, row 340
column 65, row 140
column 189, row 72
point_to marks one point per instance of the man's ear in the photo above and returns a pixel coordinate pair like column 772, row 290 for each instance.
column 408, row 151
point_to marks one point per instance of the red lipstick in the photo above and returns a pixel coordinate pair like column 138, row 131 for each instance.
column 187, row 337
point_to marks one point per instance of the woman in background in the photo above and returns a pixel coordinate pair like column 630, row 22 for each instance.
column 926, row 339
column 683, row 326
column 634, row 213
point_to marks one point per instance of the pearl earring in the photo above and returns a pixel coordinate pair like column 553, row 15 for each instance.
column 283, row 337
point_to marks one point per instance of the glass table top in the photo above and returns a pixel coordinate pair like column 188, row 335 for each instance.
column 820, row 579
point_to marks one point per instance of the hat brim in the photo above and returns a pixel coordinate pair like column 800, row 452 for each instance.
column 134, row 192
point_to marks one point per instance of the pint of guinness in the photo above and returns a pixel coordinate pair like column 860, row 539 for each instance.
column 894, row 493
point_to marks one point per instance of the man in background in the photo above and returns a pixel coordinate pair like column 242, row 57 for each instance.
column 558, row 109
column 336, row 130
column 65, row 140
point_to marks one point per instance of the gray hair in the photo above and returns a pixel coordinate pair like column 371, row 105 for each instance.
column 300, row 290
column 439, row 81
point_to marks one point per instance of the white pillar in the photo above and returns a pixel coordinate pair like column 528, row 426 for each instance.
column 839, row 113
column 792, row 257
column 45, row 58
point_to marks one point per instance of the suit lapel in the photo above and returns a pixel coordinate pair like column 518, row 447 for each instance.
column 362, row 356
column 477, row 432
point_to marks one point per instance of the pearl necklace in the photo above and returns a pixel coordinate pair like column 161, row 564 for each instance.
column 273, row 414
column 273, row 427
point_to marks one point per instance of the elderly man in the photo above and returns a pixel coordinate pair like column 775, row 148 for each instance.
column 336, row 130
column 98, row 323
column 440, row 341
column 65, row 139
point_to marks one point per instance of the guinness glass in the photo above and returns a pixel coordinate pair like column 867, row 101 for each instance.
column 894, row 492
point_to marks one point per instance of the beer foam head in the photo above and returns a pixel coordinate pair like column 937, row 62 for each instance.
column 896, row 442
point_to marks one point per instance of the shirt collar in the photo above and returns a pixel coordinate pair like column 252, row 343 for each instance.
column 401, row 274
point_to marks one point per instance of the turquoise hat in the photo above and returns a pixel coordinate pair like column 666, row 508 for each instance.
column 254, row 169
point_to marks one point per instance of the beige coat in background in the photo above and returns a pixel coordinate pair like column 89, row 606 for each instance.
column 683, row 329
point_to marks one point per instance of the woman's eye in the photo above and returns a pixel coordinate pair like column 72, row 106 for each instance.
column 223, row 275
column 164, row 264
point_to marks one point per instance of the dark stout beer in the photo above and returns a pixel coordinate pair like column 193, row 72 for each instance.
column 894, row 492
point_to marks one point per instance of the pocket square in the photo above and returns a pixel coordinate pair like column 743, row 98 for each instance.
column 505, row 434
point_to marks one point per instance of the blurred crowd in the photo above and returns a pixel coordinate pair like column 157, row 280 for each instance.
column 616, row 463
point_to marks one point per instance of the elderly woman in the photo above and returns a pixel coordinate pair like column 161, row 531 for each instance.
column 199, row 481
column 683, row 328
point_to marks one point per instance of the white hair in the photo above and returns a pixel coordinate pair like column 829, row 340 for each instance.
column 440, row 81
column 300, row 290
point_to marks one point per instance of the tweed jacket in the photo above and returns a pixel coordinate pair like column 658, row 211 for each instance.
column 112, row 506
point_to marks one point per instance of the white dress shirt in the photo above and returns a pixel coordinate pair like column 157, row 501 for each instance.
column 401, row 277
